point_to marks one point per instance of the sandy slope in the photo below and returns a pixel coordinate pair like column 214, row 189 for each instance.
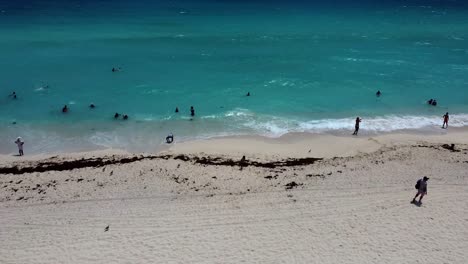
column 354, row 209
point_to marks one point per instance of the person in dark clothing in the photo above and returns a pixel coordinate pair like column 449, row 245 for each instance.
column 65, row 109
column 192, row 111
column 248, row 94
column 125, row 117
column 170, row 138
column 446, row 119
column 92, row 106
column 117, row 115
column 356, row 126
column 422, row 189
column 378, row 94
column 177, row 109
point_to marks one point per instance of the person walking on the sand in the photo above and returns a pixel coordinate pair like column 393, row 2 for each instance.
column 421, row 186
column 446, row 119
column 20, row 144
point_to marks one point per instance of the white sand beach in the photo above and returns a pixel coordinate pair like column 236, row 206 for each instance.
column 298, row 199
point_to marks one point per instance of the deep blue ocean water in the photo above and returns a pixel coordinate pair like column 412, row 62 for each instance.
column 309, row 66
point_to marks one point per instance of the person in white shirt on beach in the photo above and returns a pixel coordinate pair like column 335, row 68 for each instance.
column 20, row 144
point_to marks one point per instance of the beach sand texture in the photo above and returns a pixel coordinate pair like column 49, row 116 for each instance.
column 352, row 206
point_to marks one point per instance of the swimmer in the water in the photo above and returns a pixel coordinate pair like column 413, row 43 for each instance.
column 192, row 111
column 248, row 94
column 434, row 103
column 65, row 109
column 13, row 95
column 92, row 105
column 116, row 115
column 378, row 94
column 125, row 117
column 177, row 109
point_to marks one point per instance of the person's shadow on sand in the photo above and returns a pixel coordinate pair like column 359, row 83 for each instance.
column 416, row 203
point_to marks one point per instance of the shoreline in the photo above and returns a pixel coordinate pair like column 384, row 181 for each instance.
column 136, row 136
column 290, row 145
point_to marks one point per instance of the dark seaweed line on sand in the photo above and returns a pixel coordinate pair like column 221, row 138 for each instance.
column 101, row 162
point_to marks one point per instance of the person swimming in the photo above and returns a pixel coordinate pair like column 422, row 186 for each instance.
column 65, row 109
column 192, row 111
column 432, row 102
column 177, row 109
column 117, row 115
column 92, row 105
column 125, row 117
column 248, row 94
column 378, row 93
column 12, row 95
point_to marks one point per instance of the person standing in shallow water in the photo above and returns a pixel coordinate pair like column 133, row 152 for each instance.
column 19, row 142
column 192, row 111
column 356, row 126
column 446, row 119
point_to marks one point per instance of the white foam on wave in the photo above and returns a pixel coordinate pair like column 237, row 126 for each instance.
column 275, row 127
column 366, row 60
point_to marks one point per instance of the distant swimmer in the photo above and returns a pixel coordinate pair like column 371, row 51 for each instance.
column 177, row 109
column 12, row 95
column 248, row 94
column 65, row 109
column 446, row 119
column 92, row 106
column 19, row 142
column 192, row 111
column 430, row 101
column 117, row 115
column 434, row 103
column 356, row 126
column 378, row 93
column 116, row 69
column 125, row 117
column 170, row 138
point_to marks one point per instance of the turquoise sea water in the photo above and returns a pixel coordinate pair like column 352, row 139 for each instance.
column 311, row 66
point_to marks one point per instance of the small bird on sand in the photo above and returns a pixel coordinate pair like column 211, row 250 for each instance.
column 106, row 229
